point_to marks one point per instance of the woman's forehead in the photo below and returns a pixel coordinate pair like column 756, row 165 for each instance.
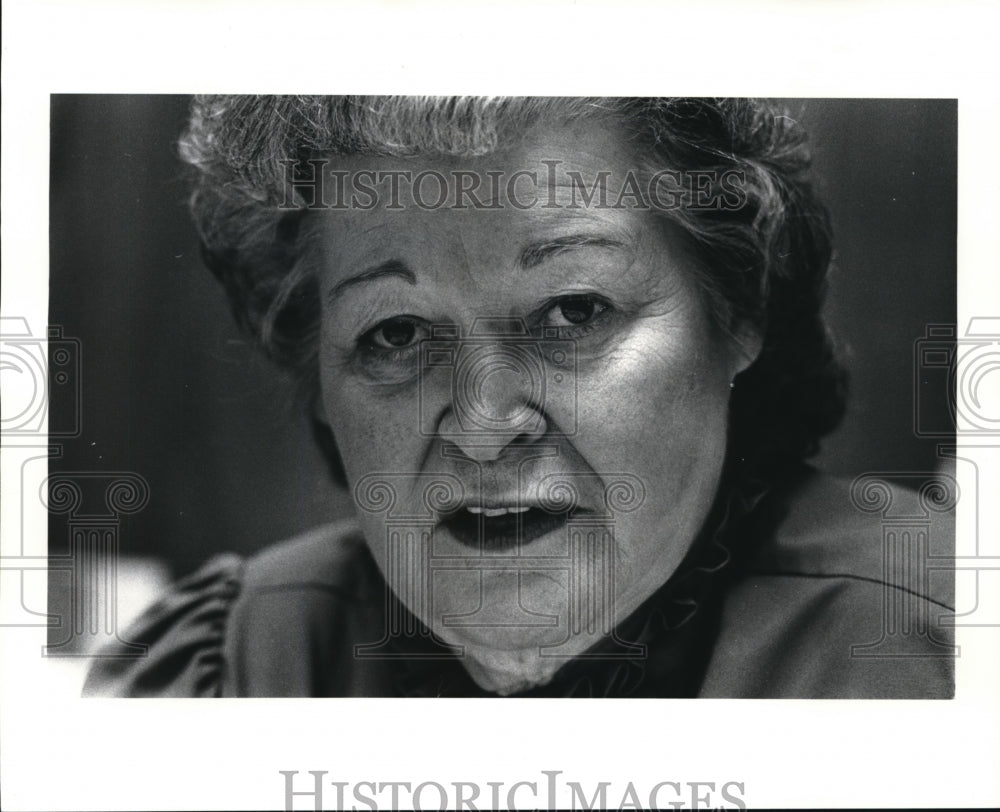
column 555, row 181
column 507, row 237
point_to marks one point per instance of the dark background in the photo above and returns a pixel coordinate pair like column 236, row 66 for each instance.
column 171, row 391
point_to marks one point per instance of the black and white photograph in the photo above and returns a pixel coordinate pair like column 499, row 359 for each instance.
column 333, row 416
column 567, row 361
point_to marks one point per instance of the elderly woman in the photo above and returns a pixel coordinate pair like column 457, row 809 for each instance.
column 568, row 357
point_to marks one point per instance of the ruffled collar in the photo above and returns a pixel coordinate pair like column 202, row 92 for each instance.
column 674, row 628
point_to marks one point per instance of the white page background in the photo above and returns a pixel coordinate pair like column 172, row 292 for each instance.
column 61, row 752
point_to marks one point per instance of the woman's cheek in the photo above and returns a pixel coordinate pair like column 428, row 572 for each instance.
column 648, row 411
column 373, row 432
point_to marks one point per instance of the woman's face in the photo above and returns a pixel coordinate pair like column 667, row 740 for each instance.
column 482, row 363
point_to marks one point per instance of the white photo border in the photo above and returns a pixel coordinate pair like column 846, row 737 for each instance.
column 62, row 752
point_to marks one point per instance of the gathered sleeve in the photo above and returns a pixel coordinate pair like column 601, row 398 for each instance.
column 184, row 631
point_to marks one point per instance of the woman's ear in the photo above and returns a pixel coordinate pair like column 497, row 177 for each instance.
column 322, row 434
column 317, row 411
column 747, row 342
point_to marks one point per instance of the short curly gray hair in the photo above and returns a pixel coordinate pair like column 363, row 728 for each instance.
column 763, row 263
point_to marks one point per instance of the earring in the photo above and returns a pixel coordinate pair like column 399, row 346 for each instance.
column 732, row 385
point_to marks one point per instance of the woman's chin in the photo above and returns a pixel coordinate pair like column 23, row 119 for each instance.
column 507, row 664
column 511, row 659
column 510, row 640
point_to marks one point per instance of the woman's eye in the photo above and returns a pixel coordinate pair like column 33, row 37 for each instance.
column 574, row 310
column 393, row 334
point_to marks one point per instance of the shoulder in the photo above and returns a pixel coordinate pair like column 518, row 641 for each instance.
column 305, row 604
column 835, row 527
column 846, row 594
column 197, row 635
column 332, row 558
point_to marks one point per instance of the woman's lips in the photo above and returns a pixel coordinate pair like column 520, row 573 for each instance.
column 502, row 530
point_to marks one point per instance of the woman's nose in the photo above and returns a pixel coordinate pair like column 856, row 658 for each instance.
column 497, row 399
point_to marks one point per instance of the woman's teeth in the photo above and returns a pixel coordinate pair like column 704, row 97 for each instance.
column 491, row 512
column 500, row 529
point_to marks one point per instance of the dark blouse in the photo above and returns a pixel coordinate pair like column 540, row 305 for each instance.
column 794, row 593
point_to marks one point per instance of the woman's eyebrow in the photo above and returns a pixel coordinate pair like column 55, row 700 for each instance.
column 391, row 267
column 537, row 253
column 530, row 256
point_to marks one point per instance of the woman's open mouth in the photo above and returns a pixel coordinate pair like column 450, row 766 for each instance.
column 501, row 529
